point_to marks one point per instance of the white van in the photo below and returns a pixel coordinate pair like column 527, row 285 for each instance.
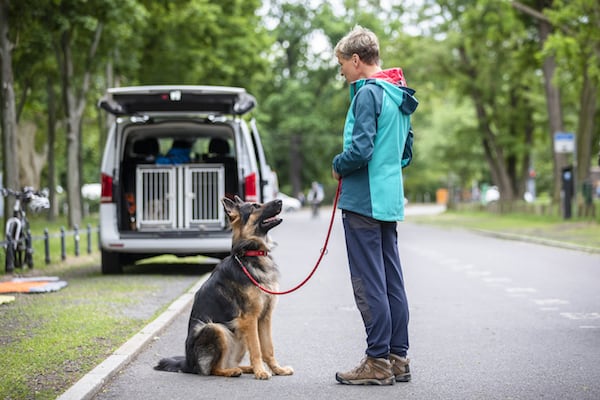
column 172, row 154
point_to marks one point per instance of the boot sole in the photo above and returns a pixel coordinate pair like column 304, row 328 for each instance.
column 378, row 382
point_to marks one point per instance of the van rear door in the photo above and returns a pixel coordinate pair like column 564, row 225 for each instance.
column 210, row 99
column 268, row 179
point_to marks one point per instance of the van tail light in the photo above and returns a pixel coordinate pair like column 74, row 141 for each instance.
column 106, row 194
column 250, row 184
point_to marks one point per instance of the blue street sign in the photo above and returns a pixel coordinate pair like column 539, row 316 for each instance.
column 564, row 142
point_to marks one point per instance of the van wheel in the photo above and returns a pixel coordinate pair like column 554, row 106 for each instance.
column 111, row 263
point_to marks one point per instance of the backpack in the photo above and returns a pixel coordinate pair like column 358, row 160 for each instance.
column 409, row 105
column 407, row 154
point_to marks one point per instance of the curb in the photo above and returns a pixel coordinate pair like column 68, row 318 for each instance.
column 88, row 386
column 538, row 240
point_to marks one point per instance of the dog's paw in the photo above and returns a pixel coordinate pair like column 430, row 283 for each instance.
column 283, row 370
column 262, row 375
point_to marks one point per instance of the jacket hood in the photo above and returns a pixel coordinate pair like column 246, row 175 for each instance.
column 392, row 75
column 391, row 80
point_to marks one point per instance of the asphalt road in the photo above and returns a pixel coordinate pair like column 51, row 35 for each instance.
column 490, row 319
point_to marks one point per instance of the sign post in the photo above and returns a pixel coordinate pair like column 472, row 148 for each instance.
column 564, row 143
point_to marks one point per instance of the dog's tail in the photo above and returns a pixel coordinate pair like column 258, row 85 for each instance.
column 204, row 348
column 172, row 364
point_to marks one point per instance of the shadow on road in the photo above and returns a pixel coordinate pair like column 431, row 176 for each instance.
column 189, row 267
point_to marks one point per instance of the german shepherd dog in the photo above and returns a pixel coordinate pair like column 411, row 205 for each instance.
column 231, row 315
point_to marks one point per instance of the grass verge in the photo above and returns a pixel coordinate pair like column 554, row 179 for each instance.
column 576, row 232
column 50, row 340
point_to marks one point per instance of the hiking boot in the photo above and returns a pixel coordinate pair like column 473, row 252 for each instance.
column 370, row 371
column 400, row 368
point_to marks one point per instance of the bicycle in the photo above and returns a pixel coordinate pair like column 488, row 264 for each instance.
column 18, row 243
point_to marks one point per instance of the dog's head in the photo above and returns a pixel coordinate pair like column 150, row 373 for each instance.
column 251, row 220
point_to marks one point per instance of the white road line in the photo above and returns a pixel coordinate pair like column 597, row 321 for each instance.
column 497, row 280
column 581, row 315
column 550, row 302
column 479, row 273
column 520, row 290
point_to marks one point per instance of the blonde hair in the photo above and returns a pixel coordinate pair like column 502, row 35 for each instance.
column 360, row 41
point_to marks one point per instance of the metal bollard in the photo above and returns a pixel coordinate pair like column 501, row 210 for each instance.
column 47, row 246
column 63, row 250
column 76, row 236
column 89, row 239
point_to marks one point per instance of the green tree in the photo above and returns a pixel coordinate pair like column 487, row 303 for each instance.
column 9, row 113
column 203, row 42
column 303, row 121
column 491, row 63
column 308, row 99
column 575, row 43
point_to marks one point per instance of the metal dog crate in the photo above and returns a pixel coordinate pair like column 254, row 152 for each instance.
column 172, row 197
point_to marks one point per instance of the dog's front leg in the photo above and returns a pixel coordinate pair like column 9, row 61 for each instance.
column 267, row 348
column 248, row 326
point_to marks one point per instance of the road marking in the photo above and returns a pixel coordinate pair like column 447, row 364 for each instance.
column 589, row 327
column 448, row 261
column 550, row 302
column 581, row 315
column 464, row 267
column 520, row 290
column 479, row 273
column 497, row 280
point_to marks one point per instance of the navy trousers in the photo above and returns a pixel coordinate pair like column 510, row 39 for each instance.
column 378, row 283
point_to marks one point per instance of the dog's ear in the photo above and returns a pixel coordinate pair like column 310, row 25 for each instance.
column 229, row 206
column 238, row 199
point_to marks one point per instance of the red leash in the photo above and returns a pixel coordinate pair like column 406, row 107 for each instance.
column 323, row 252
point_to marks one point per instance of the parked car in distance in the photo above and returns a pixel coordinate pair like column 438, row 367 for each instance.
column 492, row 194
column 172, row 153
column 289, row 203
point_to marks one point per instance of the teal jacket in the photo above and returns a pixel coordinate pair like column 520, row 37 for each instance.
column 375, row 132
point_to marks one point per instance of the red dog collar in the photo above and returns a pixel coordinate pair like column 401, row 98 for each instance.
column 255, row 253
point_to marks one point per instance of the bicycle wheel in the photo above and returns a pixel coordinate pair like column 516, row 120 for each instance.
column 9, row 260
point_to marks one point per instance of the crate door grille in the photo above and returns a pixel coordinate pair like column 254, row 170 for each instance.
column 154, row 197
column 204, row 189
column 180, row 197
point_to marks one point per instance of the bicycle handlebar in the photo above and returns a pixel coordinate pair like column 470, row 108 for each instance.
column 26, row 191
column 37, row 200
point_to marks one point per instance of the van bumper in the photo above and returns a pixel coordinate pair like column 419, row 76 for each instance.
column 178, row 243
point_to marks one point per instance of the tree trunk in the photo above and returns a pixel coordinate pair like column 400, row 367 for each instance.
column 74, row 108
column 73, row 181
column 585, row 130
column 9, row 116
column 51, row 99
column 31, row 162
column 553, row 104
column 494, row 154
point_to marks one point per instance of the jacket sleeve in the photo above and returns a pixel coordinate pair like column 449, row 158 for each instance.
column 360, row 150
